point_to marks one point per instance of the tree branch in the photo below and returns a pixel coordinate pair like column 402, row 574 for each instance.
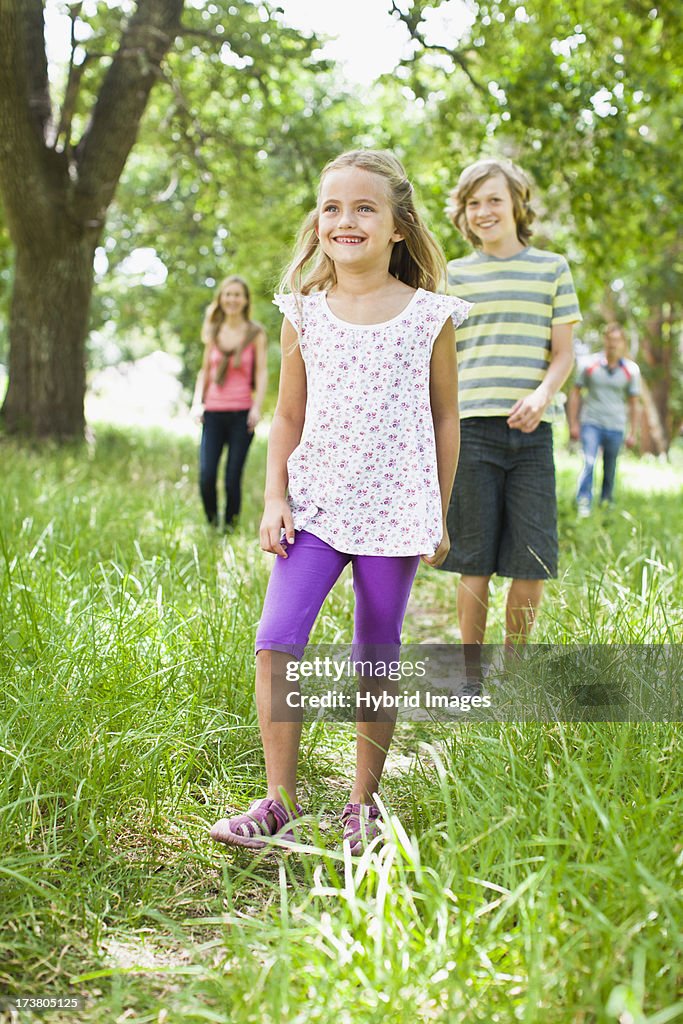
column 73, row 85
column 73, row 82
column 24, row 114
column 39, row 87
column 412, row 22
column 102, row 152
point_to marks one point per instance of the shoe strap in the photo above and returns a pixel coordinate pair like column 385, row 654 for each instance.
column 260, row 809
column 366, row 812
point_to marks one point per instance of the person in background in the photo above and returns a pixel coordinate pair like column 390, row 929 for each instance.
column 229, row 394
column 603, row 412
column 514, row 353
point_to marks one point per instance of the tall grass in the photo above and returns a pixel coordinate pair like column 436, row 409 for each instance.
column 534, row 872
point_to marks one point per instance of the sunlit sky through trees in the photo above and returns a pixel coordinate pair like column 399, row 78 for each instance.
column 362, row 38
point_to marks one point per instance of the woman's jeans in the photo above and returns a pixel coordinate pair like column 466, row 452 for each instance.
column 221, row 429
column 593, row 438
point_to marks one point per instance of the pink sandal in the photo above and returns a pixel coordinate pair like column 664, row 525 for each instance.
column 253, row 829
column 362, row 824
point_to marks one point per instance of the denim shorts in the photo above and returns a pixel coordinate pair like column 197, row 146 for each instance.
column 502, row 516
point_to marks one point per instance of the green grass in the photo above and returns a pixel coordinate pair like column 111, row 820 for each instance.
column 535, row 871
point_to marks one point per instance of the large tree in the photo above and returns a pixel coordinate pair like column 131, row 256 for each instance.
column 56, row 195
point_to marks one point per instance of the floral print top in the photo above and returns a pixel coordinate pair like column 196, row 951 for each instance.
column 364, row 477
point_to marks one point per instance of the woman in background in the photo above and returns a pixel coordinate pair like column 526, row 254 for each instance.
column 229, row 394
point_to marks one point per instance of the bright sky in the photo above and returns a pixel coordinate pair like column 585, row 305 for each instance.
column 365, row 39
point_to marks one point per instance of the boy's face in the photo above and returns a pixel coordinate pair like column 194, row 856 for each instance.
column 615, row 346
column 489, row 212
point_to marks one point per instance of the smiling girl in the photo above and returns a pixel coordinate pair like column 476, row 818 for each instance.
column 361, row 458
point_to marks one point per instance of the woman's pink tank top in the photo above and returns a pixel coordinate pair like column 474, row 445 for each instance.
column 235, row 393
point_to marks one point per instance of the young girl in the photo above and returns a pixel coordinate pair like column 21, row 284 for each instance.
column 230, row 389
column 362, row 454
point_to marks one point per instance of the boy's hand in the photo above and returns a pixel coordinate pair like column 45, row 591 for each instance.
column 527, row 413
column 439, row 555
column 277, row 516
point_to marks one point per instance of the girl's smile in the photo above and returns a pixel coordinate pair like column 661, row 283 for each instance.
column 355, row 213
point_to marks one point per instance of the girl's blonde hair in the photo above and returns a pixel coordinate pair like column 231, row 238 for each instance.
column 417, row 260
column 214, row 318
column 474, row 176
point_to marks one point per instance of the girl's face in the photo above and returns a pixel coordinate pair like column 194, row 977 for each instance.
column 490, row 213
column 355, row 221
column 233, row 299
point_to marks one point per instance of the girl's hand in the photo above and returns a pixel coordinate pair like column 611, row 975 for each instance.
column 527, row 413
column 197, row 413
column 277, row 516
column 439, row 555
column 253, row 417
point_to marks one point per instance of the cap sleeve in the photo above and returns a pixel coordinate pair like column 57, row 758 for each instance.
column 459, row 309
column 290, row 306
column 443, row 306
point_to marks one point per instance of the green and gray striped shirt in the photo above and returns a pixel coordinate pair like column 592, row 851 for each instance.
column 504, row 345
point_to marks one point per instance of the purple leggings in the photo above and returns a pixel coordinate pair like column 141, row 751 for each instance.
column 299, row 584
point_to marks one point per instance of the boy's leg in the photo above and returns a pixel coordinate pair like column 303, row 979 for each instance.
column 213, row 439
column 611, row 445
column 524, row 598
column 382, row 587
column 297, row 587
column 590, row 442
column 475, row 520
column 239, row 440
column 529, row 545
column 473, row 606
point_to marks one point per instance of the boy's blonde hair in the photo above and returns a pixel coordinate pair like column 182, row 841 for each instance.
column 417, row 260
column 474, row 176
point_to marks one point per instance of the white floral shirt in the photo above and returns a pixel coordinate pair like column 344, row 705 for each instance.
column 364, row 476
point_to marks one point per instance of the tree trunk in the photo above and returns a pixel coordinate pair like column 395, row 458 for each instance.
column 56, row 201
column 49, row 326
column 653, row 439
column 656, row 350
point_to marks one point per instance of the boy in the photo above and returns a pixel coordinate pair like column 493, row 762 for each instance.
column 611, row 382
column 514, row 353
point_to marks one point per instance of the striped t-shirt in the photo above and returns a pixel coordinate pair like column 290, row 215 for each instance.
column 504, row 346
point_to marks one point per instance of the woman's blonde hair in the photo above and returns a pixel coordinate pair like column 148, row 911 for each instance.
column 417, row 260
column 474, row 176
column 214, row 318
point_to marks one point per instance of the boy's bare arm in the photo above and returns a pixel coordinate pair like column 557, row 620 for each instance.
column 573, row 410
column 528, row 412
